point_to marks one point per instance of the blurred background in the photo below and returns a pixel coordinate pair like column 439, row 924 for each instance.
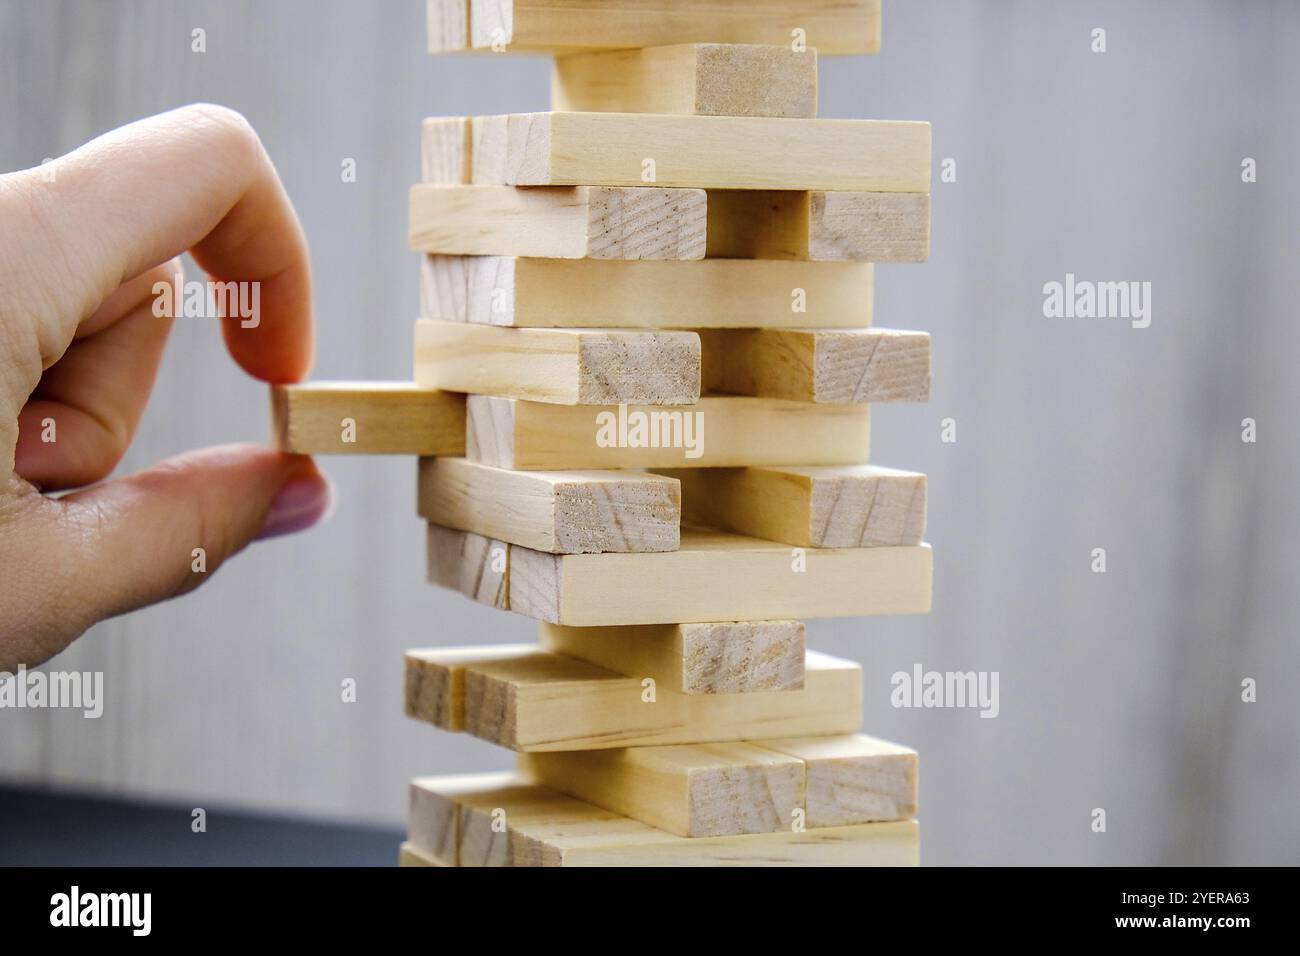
column 1119, row 690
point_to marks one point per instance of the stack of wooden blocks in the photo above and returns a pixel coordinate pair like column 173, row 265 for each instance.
column 642, row 386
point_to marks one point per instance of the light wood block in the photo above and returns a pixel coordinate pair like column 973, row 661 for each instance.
column 435, row 681
column 833, row 27
column 601, row 293
column 564, row 366
column 819, row 226
column 719, row 431
column 544, row 828
column 411, row 855
column 367, row 418
column 597, row 222
column 733, row 657
column 856, row 779
column 707, row 152
column 543, row 702
column 700, row 790
column 445, row 150
column 470, row 564
column 567, row 512
column 433, row 807
column 706, row 79
column 849, row 506
column 836, row 366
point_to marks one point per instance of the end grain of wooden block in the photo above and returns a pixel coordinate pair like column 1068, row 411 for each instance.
column 435, row 681
column 367, row 418
column 697, row 790
column 856, row 779
column 716, row 658
column 471, row 564
column 851, row 506
column 706, row 79
column 832, row 366
column 445, row 150
column 567, row 512
column 563, row 366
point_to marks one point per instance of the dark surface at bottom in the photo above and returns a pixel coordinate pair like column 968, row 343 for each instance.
column 40, row 828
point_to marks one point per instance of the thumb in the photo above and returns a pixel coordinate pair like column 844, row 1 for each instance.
column 162, row 532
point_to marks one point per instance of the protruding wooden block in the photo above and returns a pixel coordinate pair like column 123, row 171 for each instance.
column 535, row 701
column 847, row 506
column 564, row 512
column 602, row 293
column 435, row 680
column 819, row 225
column 545, row 828
column 718, row 431
column 411, row 855
column 733, row 657
column 706, row 152
column 565, row 26
column 564, row 366
column 367, row 418
column 855, row 779
column 445, row 150
column 700, row 790
column 706, row 79
column 596, row 222
column 468, row 563
column 835, row 366
column 713, row 576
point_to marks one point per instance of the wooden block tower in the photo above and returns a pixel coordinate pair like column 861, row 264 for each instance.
column 643, row 379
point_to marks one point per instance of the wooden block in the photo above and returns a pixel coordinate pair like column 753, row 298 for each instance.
column 854, row 779
column 565, row 512
column 564, row 366
column 706, row 79
column 435, row 681
column 713, row 576
column 707, row 152
column 367, row 418
column 837, row 366
column 819, row 225
column 432, row 824
column 733, row 657
column 469, row 563
column 601, row 293
column 597, row 222
column 544, row 828
column 444, row 150
column 411, row 855
column 833, row 27
column 541, row 702
column 718, row 431
column 849, row 506
column 700, row 790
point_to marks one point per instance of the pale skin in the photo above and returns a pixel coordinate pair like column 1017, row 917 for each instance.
column 81, row 252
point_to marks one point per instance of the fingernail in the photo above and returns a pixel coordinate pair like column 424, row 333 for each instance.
column 299, row 505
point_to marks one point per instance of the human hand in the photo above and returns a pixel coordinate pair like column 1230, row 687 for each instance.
column 83, row 241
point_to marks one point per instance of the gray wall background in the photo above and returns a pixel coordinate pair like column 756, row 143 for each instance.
column 1118, row 690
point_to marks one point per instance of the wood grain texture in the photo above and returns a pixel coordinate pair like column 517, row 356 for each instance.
column 545, row 828
column 855, row 779
column 435, row 681
column 367, row 418
column 433, row 811
column 707, row 79
column 531, row 700
column 564, row 26
column 732, row 657
column 697, row 790
column 819, row 226
column 602, row 293
column 847, row 506
column 470, row 564
column 561, row 512
column 570, row 222
column 718, row 431
column 445, row 150
column 707, row 152
column 835, row 366
column 564, row 366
